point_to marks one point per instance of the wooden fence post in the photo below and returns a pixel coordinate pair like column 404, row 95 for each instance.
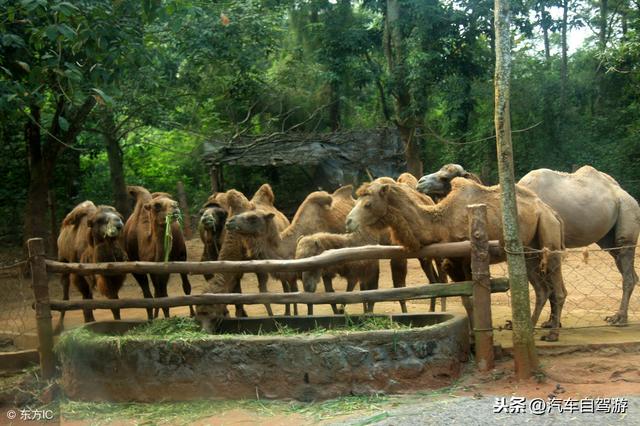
column 482, row 325
column 43, row 310
column 184, row 206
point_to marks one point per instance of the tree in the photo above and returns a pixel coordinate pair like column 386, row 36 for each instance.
column 524, row 350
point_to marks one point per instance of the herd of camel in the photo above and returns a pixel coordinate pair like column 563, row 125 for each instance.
column 556, row 210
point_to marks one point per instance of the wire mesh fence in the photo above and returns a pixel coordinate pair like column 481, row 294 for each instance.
column 16, row 313
column 594, row 288
column 592, row 281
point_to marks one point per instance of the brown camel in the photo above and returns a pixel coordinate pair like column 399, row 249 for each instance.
column 612, row 221
column 432, row 268
column 218, row 208
column 91, row 234
column 144, row 239
column 255, row 232
column 364, row 272
column 413, row 225
column 437, row 185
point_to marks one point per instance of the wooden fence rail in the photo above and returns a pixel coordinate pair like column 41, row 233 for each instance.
column 479, row 249
column 328, row 258
column 464, row 288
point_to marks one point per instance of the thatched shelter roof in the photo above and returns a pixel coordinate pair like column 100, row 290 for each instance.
column 378, row 152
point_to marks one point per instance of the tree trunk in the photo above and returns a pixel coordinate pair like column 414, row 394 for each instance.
column 524, row 350
column 35, row 222
column 405, row 120
column 116, row 165
column 603, row 24
column 544, row 22
column 334, row 105
column 564, row 77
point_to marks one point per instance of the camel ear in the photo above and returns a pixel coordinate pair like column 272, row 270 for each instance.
column 384, row 190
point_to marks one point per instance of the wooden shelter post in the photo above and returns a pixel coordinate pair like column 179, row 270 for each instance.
column 42, row 307
column 480, row 262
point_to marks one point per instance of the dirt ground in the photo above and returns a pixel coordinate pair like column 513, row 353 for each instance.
column 591, row 359
column 592, row 280
column 575, row 374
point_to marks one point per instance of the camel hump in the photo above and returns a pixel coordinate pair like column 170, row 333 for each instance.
column 138, row 192
column 264, row 195
column 161, row 194
column 320, row 198
column 343, row 192
column 81, row 210
column 408, row 179
column 237, row 202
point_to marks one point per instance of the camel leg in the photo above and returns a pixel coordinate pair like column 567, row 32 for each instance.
column 143, row 282
column 624, row 258
column 263, row 279
column 186, row 288
column 441, row 277
column 111, row 294
column 240, row 311
column 83, row 286
column 553, row 280
column 399, row 278
column 371, row 283
column 328, row 288
column 460, row 270
column 427, row 268
column 65, row 281
column 160, row 290
column 540, row 288
column 286, row 289
column 351, row 285
column 293, row 287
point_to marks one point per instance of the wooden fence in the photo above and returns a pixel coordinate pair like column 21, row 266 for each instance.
column 481, row 287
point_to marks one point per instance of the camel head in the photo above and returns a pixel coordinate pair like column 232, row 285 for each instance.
column 251, row 223
column 438, row 184
column 104, row 224
column 213, row 218
column 371, row 208
column 209, row 316
column 160, row 208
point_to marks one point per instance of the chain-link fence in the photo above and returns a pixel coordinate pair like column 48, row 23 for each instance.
column 17, row 324
column 594, row 289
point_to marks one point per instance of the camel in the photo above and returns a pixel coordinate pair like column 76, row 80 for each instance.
column 144, row 240
column 91, row 234
column 256, row 232
column 399, row 266
column 612, row 221
column 437, row 185
column 218, row 208
column 386, row 205
column 364, row 272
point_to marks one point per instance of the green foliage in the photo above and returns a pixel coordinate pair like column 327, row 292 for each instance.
column 169, row 75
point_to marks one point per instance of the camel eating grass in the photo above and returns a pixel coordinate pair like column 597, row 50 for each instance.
column 218, row 208
column 144, row 235
column 387, row 205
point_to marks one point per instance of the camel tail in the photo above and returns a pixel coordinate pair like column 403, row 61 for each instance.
column 551, row 230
